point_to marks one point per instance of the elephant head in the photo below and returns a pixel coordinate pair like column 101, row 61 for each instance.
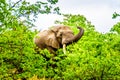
column 57, row 37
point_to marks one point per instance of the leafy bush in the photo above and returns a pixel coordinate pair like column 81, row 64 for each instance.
column 18, row 58
column 95, row 56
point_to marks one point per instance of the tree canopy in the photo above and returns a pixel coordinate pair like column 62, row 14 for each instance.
column 11, row 12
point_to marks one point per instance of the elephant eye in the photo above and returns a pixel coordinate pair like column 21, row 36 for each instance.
column 60, row 34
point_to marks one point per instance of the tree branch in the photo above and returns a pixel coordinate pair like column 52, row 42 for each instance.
column 16, row 3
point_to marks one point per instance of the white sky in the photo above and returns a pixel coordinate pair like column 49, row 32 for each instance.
column 99, row 12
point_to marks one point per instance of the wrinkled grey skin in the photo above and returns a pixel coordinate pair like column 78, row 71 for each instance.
column 57, row 37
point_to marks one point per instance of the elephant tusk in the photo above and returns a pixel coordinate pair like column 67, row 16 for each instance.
column 64, row 48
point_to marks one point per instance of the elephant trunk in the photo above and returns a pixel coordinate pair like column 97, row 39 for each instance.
column 73, row 39
column 77, row 37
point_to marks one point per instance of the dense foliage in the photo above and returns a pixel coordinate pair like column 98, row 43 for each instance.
column 95, row 56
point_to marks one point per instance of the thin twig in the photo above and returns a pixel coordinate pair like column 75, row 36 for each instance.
column 16, row 3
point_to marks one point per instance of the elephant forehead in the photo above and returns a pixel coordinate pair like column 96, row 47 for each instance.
column 65, row 28
column 67, row 32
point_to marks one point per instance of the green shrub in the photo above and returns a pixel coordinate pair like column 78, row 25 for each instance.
column 94, row 56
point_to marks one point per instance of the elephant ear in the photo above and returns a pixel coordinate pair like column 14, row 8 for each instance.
column 52, row 40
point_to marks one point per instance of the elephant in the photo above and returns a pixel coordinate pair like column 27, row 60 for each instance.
column 57, row 37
